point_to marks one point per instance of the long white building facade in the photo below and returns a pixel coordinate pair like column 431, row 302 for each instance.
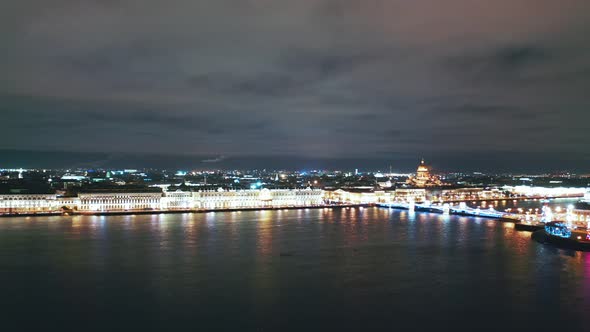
column 98, row 202
column 104, row 202
column 23, row 203
column 263, row 198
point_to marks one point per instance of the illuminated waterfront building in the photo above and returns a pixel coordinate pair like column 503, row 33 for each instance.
column 28, row 203
column 164, row 200
column 357, row 196
column 68, row 203
column 177, row 200
column 161, row 201
column 410, row 195
column 461, row 194
column 235, row 199
column 103, row 202
column 581, row 217
column 530, row 191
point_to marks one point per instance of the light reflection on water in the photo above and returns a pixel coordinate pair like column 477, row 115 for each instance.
column 292, row 269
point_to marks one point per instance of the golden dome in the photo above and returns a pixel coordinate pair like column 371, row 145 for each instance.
column 422, row 167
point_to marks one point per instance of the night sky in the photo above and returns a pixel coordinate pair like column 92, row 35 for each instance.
column 467, row 84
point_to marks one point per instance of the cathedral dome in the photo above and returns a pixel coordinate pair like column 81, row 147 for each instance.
column 422, row 167
column 423, row 177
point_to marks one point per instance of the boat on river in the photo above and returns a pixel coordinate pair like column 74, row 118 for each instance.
column 559, row 235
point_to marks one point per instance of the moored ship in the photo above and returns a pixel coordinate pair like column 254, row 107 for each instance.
column 559, row 235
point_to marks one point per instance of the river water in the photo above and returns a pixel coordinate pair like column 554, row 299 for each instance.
column 297, row 270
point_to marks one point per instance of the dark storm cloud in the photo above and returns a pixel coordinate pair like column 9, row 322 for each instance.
column 265, row 85
column 511, row 57
column 506, row 59
column 467, row 112
column 309, row 79
column 23, row 112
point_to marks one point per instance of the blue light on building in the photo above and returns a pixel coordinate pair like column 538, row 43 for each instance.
column 558, row 229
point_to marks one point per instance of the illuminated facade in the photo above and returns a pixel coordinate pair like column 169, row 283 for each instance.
column 410, row 195
column 264, row 198
column 105, row 202
column 463, row 194
column 353, row 196
column 546, row 192
column 28, row 203
column 423, row 178
column 177, row 200
column 97, row 202
column 581, row 217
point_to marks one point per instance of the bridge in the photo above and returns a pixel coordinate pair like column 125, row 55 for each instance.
column 524, row 221
column 460, row 209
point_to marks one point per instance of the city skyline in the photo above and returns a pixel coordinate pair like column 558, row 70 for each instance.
column 307, row 83
column 295, row 165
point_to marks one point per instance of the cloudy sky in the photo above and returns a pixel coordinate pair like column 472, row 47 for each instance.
column 460, row 82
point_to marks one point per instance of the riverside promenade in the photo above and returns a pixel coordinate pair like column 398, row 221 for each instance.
column 180, row 211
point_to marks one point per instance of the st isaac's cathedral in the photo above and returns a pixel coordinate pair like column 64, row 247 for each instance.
column 423, row 177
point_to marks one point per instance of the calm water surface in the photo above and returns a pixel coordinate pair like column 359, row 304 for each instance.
column 300, row 270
